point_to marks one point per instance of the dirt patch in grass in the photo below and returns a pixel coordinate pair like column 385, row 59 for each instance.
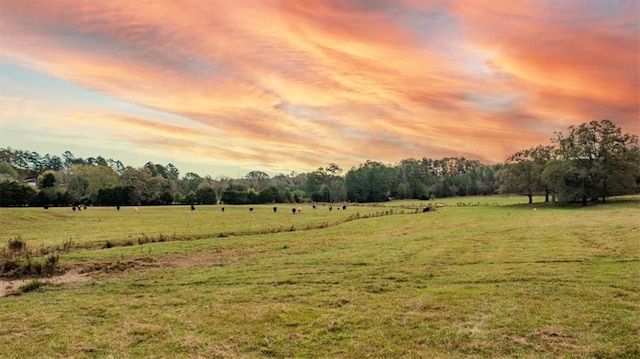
column 8, row 287
column 556, row 338
column 116, row 266
column 84, row 271
column 549, row 339
column 81, row 272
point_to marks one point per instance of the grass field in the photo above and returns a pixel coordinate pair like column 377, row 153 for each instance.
column 484, row 277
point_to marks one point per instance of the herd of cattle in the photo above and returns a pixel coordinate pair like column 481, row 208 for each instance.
column 294, row 210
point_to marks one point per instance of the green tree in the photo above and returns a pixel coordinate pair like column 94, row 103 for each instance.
column 412, row 179
column 78, row 186
column 326, row 184
column 522, row 172
column 601, row 161
column 68, row 159
column 370, row 182
column 51, row 196
column 191, row 197
column 7, row 172
column 269, row 195
column 257, row 179
column 166, row 197
column 137, row 179
column 315, row 186
column 97, row 177
column 47, row 179
column 116, row 196
column 172, row 172
column 235, row 194
column 190, row 182
column 206, row 194
column 15, row 194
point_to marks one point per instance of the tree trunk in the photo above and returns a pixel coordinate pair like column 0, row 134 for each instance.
column 546, row 196
column 584, row 201
column 530, row 198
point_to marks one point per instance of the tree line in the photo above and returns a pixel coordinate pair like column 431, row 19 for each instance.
column 594, row 160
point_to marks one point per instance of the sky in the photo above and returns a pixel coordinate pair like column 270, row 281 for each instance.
column 222, row 88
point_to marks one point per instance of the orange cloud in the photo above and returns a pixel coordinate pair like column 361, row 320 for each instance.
column 296, row 85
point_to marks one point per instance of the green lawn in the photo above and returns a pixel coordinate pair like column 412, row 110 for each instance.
column 481, row 277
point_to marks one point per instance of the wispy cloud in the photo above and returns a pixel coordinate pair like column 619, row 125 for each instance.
column 295, row 85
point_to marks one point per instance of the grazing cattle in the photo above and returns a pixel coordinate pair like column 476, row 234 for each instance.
column 85, row 206
column 275, row 209
column 222, row 209
column 299, row 209
column 193, row 208
column 344, row 207
column 293, row 210
column 250, row 209
column 314, row 206
column 426, row 209
column 46, row 206
column 330, row 208
column 135, row 209
column 117, row 208
column 73, row 208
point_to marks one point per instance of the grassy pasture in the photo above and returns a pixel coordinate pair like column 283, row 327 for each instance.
column 96, row 225
column 480, row 277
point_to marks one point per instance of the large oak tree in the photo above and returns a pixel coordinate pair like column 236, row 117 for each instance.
column 594, row 160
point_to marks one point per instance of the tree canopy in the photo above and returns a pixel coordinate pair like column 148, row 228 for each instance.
column 594, row 160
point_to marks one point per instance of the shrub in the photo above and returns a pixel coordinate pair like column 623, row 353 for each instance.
column 17, row 244
column 31, row 286
column 8, row 266
column 51, row 264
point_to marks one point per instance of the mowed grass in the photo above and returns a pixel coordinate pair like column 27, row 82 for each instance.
column 97, row 225
column 483, row 280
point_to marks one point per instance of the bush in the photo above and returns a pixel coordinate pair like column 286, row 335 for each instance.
column 15, row 194
column 51, row 263
column 25, row 264
column 31, row 286
column 8, row 266
column 17, row 245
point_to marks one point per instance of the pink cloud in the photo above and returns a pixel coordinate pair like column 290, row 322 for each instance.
column 302, row 84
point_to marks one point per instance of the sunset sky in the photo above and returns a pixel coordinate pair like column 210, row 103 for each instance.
column 226, row 87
